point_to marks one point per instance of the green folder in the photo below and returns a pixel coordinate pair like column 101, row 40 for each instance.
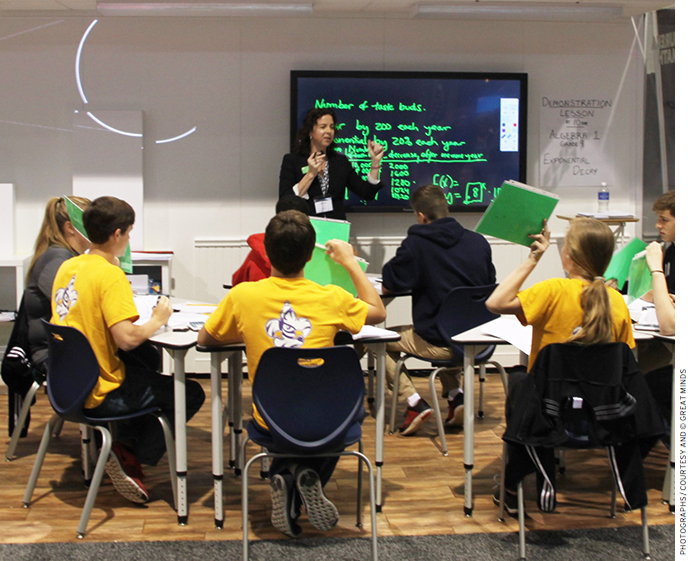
column 619, row 267
column 517, row 210
column 76, row 216
column 328, row 229
column 640, row 279
column 323, row 270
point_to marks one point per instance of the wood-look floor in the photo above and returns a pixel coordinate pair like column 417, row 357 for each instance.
column 423, row 491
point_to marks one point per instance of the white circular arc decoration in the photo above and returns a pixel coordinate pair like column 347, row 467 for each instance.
column 77, row 74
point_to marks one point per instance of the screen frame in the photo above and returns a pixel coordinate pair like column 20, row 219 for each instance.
column 520, row 77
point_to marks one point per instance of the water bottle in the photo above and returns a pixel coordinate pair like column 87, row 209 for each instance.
column 603, row 198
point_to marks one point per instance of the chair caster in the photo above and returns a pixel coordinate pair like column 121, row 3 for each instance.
column 238, row 472
column 264, row 475
column 480, row 415
column 80, row 536
column 561, row 470
column 25, row 505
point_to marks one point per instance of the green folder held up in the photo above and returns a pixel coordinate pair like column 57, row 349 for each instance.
column 329, row 229
column 323, row 270
column 640, row 280
column 619, row 267
column 517, row 211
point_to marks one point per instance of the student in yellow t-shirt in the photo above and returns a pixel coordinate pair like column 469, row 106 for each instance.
column 92, row 294
column 579, row 308
column 287, row 310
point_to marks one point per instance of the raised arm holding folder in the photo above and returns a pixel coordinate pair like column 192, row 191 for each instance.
column 517, row 211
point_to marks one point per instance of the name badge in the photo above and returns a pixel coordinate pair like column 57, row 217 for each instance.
column 323, row 205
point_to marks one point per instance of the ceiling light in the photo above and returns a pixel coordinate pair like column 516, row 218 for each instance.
column 545, row 11
column 193, row 9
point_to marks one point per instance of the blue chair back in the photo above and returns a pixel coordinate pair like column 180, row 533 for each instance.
column 464, row 308
column 309, row 398
column 73, row 371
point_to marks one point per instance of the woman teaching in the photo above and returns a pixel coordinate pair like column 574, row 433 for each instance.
column 319, row 174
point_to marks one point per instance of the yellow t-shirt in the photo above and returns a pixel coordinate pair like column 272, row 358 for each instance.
column 278, row 312
column 92, row 295
column 553, row 309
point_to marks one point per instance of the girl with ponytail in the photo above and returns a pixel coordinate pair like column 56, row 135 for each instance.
column 57, row 241
column 579, row 309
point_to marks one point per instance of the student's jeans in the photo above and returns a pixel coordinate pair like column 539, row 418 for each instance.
column 144, row 387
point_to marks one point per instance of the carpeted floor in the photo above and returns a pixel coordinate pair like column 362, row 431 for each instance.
column 609, row 544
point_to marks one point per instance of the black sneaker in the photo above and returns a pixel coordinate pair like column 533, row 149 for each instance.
column 415, row 418
column 456, row 410
column 282, row 487
column 322, row 513
column 510, row 501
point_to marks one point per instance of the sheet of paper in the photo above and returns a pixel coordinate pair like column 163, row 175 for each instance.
column 190, row 308
column 183, row 319
column 145, row 304
column 371, row 331
column 511, row 330
column 648, row 320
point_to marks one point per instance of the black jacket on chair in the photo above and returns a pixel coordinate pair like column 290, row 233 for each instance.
column 620, row 410
column 341, row 175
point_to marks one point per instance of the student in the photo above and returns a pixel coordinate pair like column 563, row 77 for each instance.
column 660, row 380
column 437, row 256
column 256, row 266
column 652, row 354
column 288, row 310
column 579, row 308
column 665, row 209
column 92, row 294
column 57, row 241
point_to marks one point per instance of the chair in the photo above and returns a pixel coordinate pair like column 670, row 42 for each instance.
column 73, row 373
column 462, row 309
column 312, row 403
column 586, row 396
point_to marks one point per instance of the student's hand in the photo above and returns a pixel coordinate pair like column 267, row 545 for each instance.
column 612, row 282
column 655, row 257
column 375, row 151
column 163, row 310
column 316, row 162
column 541, row 243
column 341, row 252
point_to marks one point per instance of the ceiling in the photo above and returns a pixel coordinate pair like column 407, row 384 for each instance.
column 535, row 10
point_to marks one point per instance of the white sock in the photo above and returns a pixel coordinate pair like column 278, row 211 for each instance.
column 413, row 400
column 453, row 393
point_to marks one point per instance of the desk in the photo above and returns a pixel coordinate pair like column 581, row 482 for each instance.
column 619, row 224
column 218, row 355
column 474, row 341
column 20, row 266
column 375, row 339
column 177, row 344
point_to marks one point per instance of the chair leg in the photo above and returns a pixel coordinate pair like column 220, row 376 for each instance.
column 21, row 420
column 614, row 493
column 245, row 500
column 394, row 397
column 437, row 411
column 502, row 372
column 645, row 533
column 38, row 462
column 58, row 427
column 502, row 493
column 236, row 436
column 371, row 376
column 170, row 448
column 86, row 464
column 107, row 442
column 359, row 487
column 560, row 460
column 521, row 521
column 482, row 379
column 264, row 466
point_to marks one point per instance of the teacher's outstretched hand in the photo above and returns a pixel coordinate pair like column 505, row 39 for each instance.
column 376, row 153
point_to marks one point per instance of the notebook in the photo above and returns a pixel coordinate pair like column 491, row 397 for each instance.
column 323, row 270
column 517, row 211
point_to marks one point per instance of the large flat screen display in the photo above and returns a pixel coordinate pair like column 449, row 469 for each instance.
column 465, row 132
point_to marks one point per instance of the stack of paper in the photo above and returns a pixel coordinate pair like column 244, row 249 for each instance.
column 609, row 215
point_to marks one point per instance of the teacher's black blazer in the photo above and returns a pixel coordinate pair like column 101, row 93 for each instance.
column 341, row 175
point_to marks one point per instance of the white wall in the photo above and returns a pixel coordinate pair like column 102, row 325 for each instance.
column 230, row 79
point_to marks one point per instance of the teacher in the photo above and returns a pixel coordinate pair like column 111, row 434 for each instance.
column 316, row 172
